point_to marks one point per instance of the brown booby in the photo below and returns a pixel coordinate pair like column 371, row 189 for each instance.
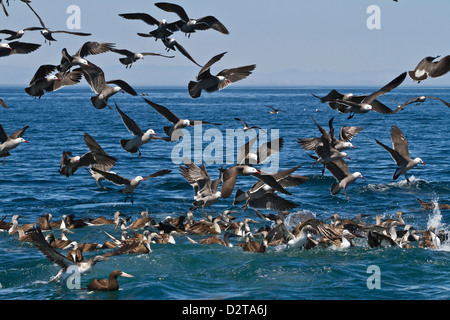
column 109, row 284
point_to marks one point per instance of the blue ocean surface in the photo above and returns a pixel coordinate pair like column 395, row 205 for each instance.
column 30, row 186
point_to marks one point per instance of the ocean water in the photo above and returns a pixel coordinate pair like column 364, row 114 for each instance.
column 30, row 185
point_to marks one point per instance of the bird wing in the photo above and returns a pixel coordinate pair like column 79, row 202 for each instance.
column 140, row 16
column 92, row 48
column 7, row 31
column 234, row 75
column 347, row 133
column 211, row 22
column 124, row 86
column 338, row 168
column 18, row 133
column 184, row 52
column 208, row 65
column 166, row 113
column 131, row 125
column 309, row 143
column 270, row 181
column 158, row 173
column 156, row 54
column 39, row 18
column 390, row 86
column 83, row 34
column 22, row 47
column 269, row 148
column 124, row 52
column 95, row 77
column 379, row 107
column 54, row 256
column 171, row 7
column 331, row 96
column 399, row 142
column 3, row 135
column 114, row 178
column 229, row 177
column 93, row 145
column 398, row 158
column 244, row 150
column 42, row 72
column 3, row 104
column 272, row 201
column 66, row 79
column 198, row 122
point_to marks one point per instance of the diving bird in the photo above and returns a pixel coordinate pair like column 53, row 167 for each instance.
column 339, row 169
column 16, row 47
column 400, row 153
column 427, row 67
column 210, row 83
column 162, row 31
column 48, row 34
column 172, row 44
column 69, row 165
column 42, row 82
column 95, row 77
column 131, row 57
column 368, row 102
column 188, row 25
column 178, row 123
column 130, row 184
column 133, row 145
column 109, row 284
column 8, row 143
column 88, row 48
column 417, row 101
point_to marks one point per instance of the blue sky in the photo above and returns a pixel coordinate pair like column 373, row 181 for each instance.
column 326, row 37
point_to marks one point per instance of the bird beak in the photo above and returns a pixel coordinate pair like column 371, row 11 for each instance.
column 122, row 91
column 58, row 79
column 26, row 141
column 349, row 158
column 258, row 172
column 127, row 275
column 362, row 178
column 87, row 65
column 155, row 134
column 353, row 147
column 143, row 179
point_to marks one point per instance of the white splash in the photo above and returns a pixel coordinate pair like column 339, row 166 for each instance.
column 435, row 221
column 296, row 218
column 403, row 184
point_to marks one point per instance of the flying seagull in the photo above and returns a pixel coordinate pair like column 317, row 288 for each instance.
column 188, row 25
column 16, row 47
column 8, row 143
column 88, row 48
column 428, row 67
column 210, row 83
column 42, row 82
column 246, row 126
column 131, row 57
column 96, row 155
column 141, row 137
column 274, row 110
column 47, row 34
column 162, row 31
column 339, row 170
column 366, row 104
column 14, row 35
column 130, row 184
column 178, row 123
column 95, row 77
column 400, row 153
column 417, row 101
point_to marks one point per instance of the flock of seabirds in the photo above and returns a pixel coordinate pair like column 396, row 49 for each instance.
column 138, row 235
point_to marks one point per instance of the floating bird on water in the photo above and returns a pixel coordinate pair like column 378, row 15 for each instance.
column 109, row 284
column 428, row 67
column 432, row 205
column 188, row 25
column 141, row 137
column 131, row 57
column 130, row 184
column 95, row 77
column 8, row 143
column 42, row 82
column 400, row 153
column 16, row 47
column 210, row 83
column 178, row 123
column 417, row 100
column 339, row 170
